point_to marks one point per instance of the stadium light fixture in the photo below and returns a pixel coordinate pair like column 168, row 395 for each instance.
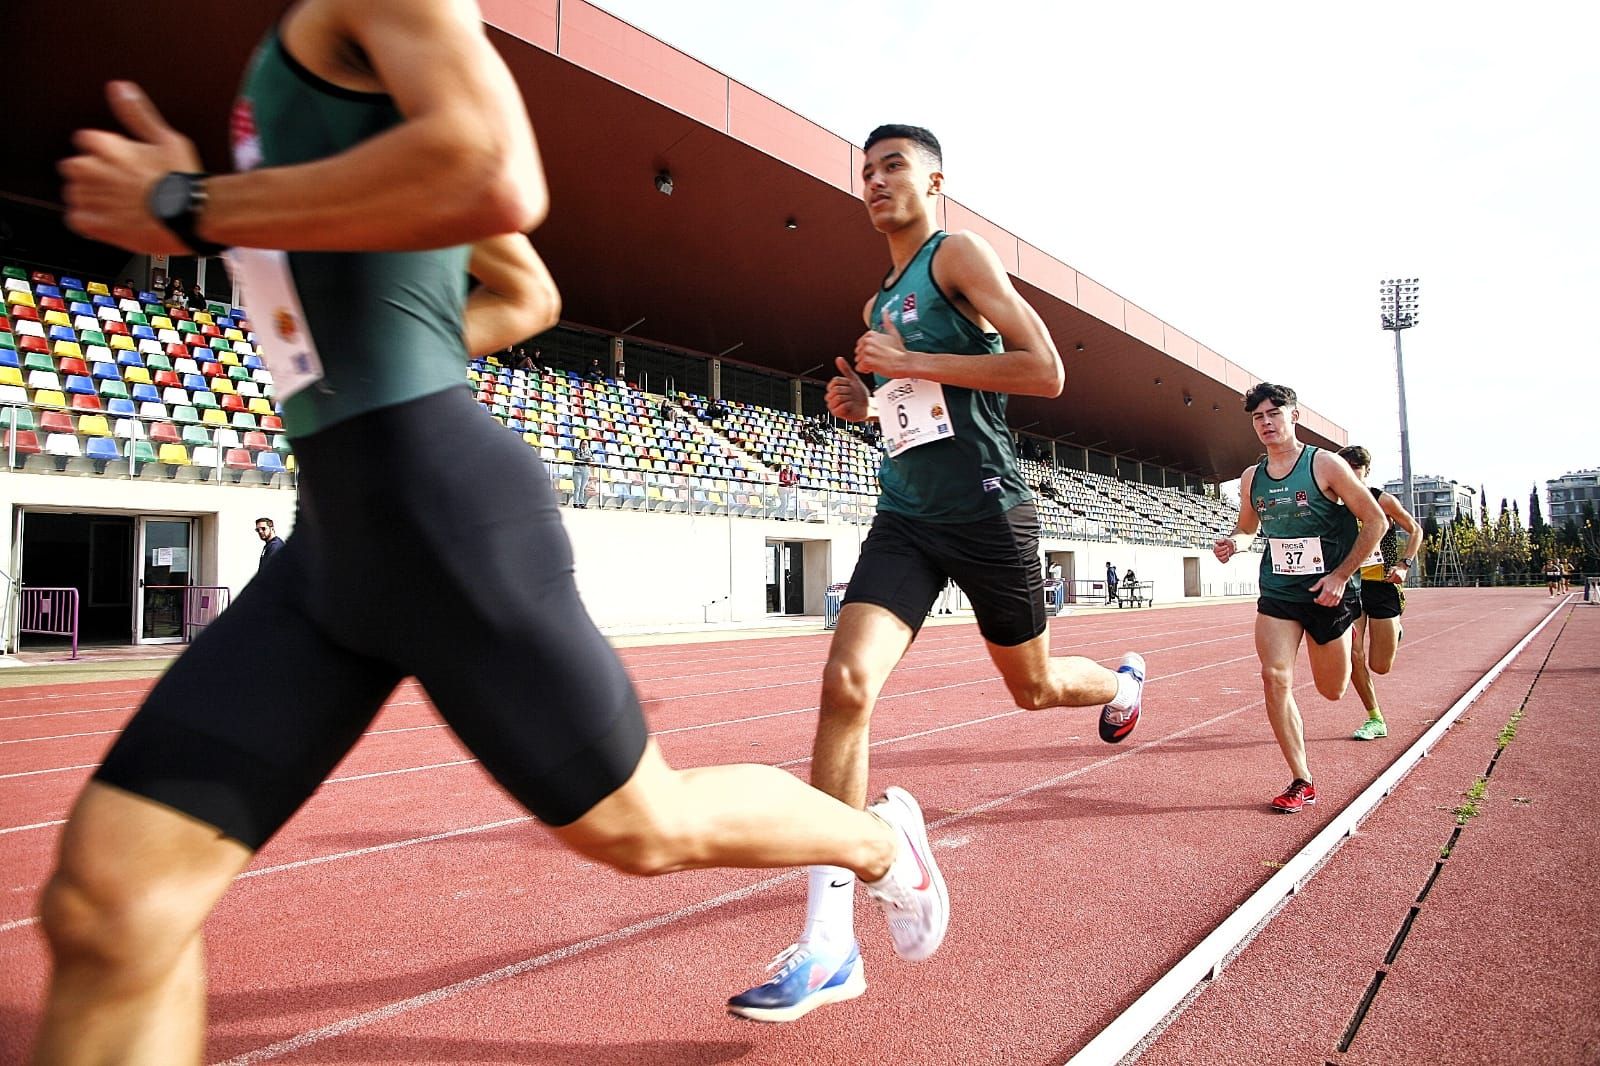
column 1400, row 308
column 664, row 183
column 791, row 224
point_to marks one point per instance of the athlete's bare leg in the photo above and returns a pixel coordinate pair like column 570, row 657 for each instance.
column 1037, row 681
column 1330, row 666
column 662, row 820
column 868, row 643
column 1277, row 644
column 1360, row 677
column 1382, row 644
column 123, row 911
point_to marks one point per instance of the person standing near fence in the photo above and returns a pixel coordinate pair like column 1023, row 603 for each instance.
column 271, row 543
column 1111, row 584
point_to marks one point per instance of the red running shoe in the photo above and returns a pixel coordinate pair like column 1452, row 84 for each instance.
column 1299, row 794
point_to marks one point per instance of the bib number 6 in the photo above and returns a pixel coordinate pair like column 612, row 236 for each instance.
column 901, row 416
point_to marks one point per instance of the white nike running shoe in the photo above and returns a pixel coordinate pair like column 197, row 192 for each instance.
column 912, row 893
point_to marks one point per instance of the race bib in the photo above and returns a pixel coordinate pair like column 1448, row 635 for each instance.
column 1296, row 558
column 283, row 337
column 911, row 413
column 1376, row 558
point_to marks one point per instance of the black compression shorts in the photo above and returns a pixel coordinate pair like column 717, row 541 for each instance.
column 904, row 564
column 428, row 542
column 1322, row 624
column 1382, row 599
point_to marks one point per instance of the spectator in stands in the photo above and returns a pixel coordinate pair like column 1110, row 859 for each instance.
column 788, row 504
column 670, row 412
column 524, row 361
column 815, row 431
column 582, row 459
column 176, row 295
column 186, row 795
column 1111, row 584
column 271, row 543
column 538, row 359
column 1048, row 488
column 596, row 373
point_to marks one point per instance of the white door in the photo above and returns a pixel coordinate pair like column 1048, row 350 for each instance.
column 166, row 561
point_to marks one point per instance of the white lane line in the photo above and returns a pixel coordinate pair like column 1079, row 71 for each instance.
column 61, row 736
column 35, row 825
column 318, row 860
column 51, row 770
column 1129, row 1029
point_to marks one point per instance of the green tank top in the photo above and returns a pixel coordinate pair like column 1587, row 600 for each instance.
column 972, row 473
column 1293, row 509
column 356, row 331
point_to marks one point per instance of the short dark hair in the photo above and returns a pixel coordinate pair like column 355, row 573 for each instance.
column 1281, row 395
column 924, row 139
column 268, row 521
column 1356, row 455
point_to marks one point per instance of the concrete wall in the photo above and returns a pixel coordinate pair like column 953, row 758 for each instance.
column 635, row 570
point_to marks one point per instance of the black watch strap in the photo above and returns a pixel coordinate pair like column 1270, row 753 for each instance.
column 183, row 222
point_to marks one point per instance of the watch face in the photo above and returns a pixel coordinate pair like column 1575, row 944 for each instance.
column 170, row 197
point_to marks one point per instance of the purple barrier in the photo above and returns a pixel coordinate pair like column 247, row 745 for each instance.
column 201, row 604
column 50, row 612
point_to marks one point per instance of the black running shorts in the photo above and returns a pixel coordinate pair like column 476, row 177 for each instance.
column 1322, row 624
column 1382, row 599
column 428, row 543
column 904, row 564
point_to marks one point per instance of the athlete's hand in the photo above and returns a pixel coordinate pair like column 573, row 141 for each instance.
column 1329, row 589
column 848, row 396
column 883, row 352
column 108, row 183
column 1397, row 575
column 1224, row 548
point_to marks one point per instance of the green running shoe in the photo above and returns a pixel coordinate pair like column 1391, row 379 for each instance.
column 1371, row 729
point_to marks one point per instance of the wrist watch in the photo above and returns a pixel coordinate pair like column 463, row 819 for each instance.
column 176, row 202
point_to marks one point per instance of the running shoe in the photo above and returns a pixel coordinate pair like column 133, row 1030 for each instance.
column 1298, row 795
column 1371, row 729
column 808, row 976
column 912, row 893
column 1115, row 724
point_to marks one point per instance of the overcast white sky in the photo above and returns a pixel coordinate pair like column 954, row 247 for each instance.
column 1249, row 172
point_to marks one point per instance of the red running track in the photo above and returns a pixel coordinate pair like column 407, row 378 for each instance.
column 412, row 913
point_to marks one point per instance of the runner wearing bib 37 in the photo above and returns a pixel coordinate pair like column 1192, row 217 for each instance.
column 1383, row 598
column 947, row 339
column 1308, row 579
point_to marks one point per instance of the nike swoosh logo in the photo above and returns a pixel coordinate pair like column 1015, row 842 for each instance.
column 838, row 884
column 927, row 878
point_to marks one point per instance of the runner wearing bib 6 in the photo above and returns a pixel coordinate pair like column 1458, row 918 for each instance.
column 1383, row 597
column 947, row 338
column 1309, row 583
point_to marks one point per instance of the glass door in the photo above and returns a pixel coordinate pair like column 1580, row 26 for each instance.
column 165, row 565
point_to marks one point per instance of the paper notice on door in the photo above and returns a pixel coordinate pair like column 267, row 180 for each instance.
column 161, row 557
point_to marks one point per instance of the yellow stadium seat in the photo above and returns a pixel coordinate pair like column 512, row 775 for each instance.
column 94, row 426
column 98, row 288
column 122, row 342
column 49, row 398
column 173, row 455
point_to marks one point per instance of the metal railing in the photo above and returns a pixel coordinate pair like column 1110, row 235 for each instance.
column 201, row 605
column 49, row 612
column 137, row 451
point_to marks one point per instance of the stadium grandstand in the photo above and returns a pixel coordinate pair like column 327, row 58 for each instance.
column 707, row 239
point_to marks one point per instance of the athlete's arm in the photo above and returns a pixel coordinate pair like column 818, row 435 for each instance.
column 1244, row 530
column 463, row 165
column 968, row 269
column 1335, row 478
column 516, row 297
column 1413, row 530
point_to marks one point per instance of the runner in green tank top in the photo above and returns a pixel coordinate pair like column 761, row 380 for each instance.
column 1309, row 584
column 379, row 141
column 947, row 338
column 1383, row 600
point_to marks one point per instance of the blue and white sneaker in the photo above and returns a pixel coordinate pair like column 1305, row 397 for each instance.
column 1116, row 724
column 808, row 976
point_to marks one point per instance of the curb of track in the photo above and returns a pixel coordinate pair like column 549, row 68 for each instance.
column 1145, row 1015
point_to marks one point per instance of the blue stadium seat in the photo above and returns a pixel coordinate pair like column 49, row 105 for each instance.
column 269, row 463
column 144, row 393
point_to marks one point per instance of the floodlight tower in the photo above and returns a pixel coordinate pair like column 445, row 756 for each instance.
column 1399, row 303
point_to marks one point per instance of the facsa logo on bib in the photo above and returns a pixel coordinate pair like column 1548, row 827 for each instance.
column 283, row 321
